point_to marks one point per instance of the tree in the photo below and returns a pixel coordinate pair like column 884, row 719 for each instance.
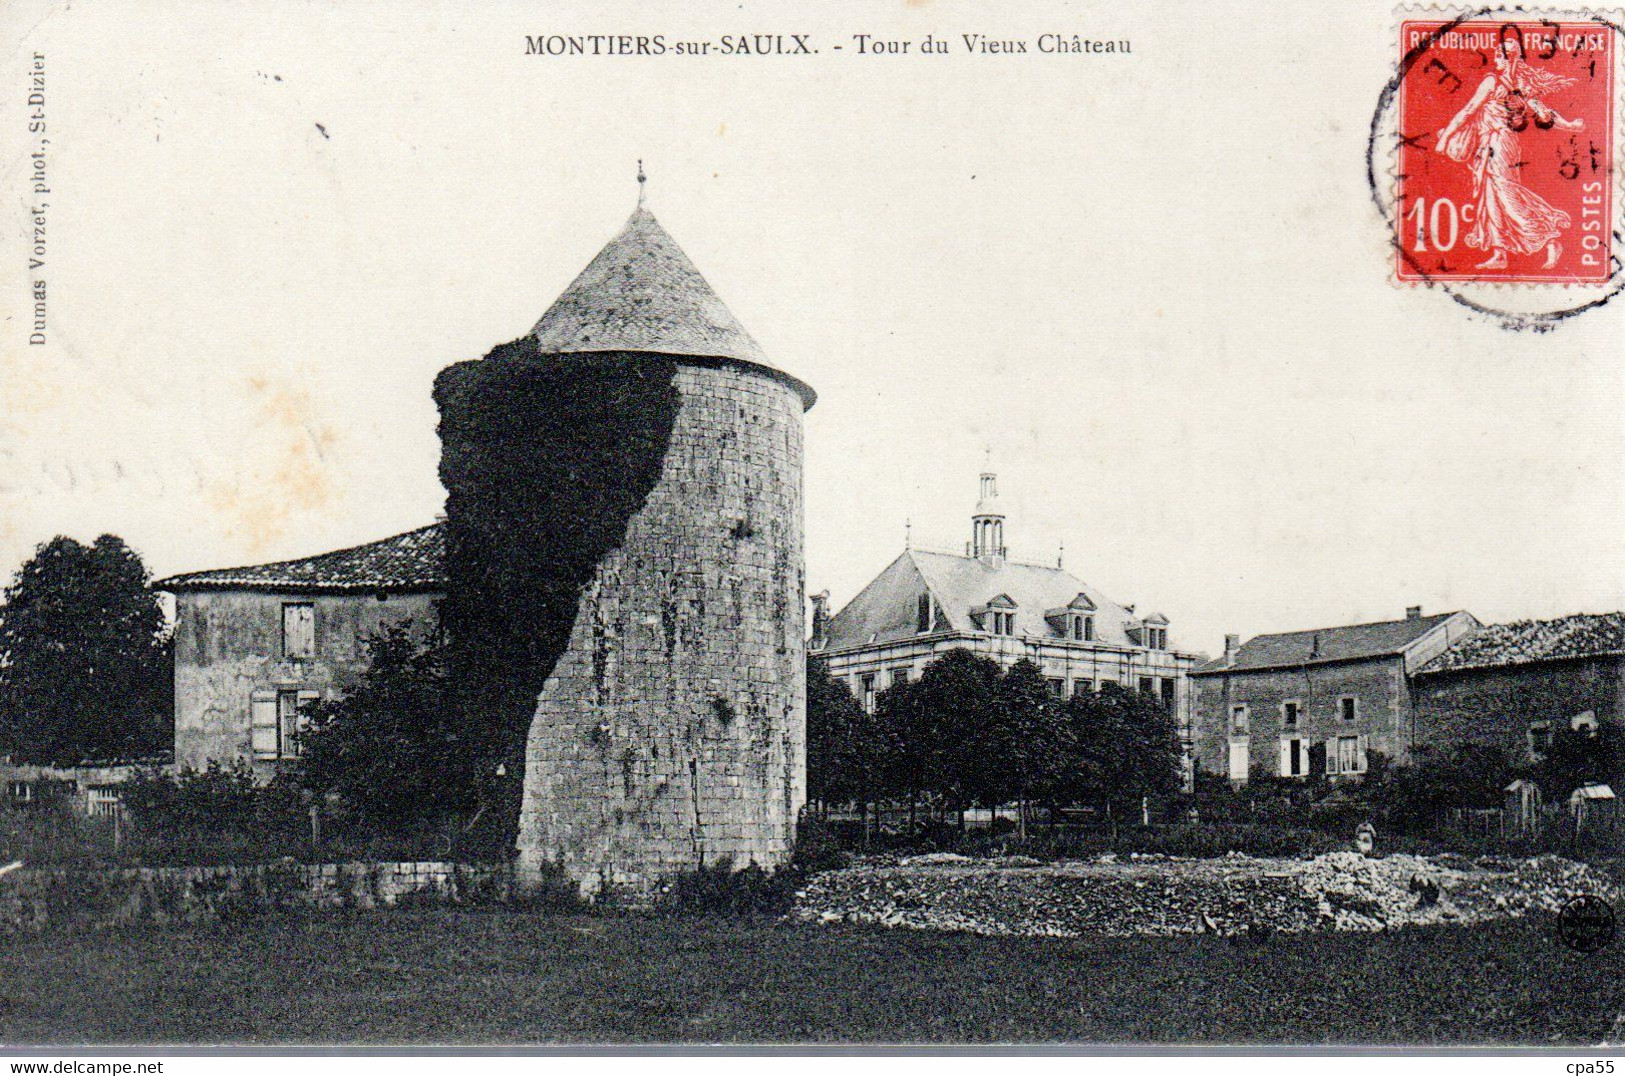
column 1012, row 756
column 935, row 727
column 85, row 666
column 842, row 753
column 392, row 749
column 1121, row 746
column 1580, row 756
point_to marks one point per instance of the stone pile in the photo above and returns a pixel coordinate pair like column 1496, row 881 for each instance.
column 1160, row 895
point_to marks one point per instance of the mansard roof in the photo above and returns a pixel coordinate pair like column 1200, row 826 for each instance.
column 1582, row 635
column 1324, row 645
column 886, row 610
column 410, row 562
column 642, row 293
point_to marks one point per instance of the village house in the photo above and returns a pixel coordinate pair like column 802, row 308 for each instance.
column 925, row 603
column 1318, row 701
column 252, row 644
column 1512, row 686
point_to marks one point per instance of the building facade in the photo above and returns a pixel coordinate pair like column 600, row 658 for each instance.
column 252, row 644
column 1316, row 702
column 1514, row 686
column 926, row 603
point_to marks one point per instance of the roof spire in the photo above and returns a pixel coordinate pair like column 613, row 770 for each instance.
column 908, row 534
column 1060, row 555
column 642, row 179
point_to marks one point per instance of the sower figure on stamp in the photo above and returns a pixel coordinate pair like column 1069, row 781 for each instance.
column 1508, row 216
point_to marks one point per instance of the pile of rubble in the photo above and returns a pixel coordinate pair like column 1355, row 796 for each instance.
column 1161, row 895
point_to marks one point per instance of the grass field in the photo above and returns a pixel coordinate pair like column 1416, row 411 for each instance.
column 503, row 976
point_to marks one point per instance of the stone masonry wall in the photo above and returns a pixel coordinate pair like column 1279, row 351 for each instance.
column 228, row 643
column 671, row 733
column 1379, row 685
column 35, row 898
column 1495, row 707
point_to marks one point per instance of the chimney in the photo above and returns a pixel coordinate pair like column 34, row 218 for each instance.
column 1232, row 645
column 1413, row 612
column 820, row 620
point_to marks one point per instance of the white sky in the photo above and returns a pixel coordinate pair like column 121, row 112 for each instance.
column 1155, row 286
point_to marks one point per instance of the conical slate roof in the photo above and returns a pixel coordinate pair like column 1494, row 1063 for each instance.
column 641, row 293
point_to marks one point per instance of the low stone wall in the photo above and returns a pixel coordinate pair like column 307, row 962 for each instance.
column 30, row 899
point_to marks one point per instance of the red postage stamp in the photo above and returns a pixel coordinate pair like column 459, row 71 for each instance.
column 1506, row 151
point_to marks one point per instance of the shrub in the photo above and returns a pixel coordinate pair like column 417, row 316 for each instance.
column 720, row 890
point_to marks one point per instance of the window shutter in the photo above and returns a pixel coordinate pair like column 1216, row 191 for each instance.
column 1361, row 749
column 1286, row 758
column 262, row 722
column 1331, row 754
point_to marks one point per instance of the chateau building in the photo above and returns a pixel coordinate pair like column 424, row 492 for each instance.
column 925, row 603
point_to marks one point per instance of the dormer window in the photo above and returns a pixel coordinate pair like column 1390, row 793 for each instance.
column 1073, row 621
column 998, row 616
column 922, row 614
column 1154, row 633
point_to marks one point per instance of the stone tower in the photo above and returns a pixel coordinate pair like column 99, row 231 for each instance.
column 669, row 733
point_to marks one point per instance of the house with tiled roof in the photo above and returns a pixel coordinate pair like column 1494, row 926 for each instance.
column 1301, row 703
column 926, row 603
column 1514, row 686
column 254, row 643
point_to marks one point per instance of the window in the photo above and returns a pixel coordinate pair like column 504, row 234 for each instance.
column 1168, row 691
column 298, row 630
column 1290, row 709
column 275, row 720
column 1238, row 720
column 102, row 801
column 21, row 791
column 868, row 692
column 1584, row 722
column 922, row 613
column 1348, row 708
column 1083, row 628
column 1540, row 738
column 1156, row 638
column 1146, row 685
column 1082, row 687
column 1294, row 757
column 1088, row 629
column 1001, row 622
column 899, row 676
column 1057, row 686
column 1345, row 754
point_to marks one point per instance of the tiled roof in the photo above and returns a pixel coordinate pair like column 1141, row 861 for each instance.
column 1323, row 645
column 885, row 610
column 641, row 293
column 414, row 561
column 1577, row 636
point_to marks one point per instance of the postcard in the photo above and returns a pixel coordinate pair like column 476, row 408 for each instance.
column 765, row 525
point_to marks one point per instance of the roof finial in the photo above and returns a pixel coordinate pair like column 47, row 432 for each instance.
column 1060, row 555
column 908, row 534
column 642, row 179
